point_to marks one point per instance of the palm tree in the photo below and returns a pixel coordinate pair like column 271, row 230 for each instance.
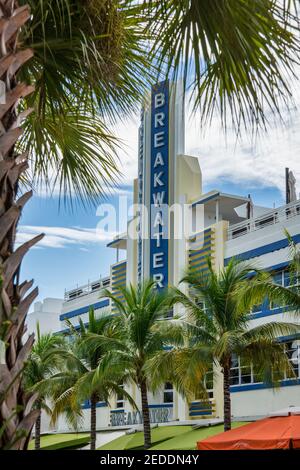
column 229, row 53
column 85, row 374
column 218, row 327
column 289, row 295
column 43, row 361
column 78, row 65
column 141, row 333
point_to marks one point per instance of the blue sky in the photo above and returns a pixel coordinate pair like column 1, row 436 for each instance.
column 73, row 252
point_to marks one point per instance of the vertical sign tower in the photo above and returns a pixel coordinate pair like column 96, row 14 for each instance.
column 161, row 140
column 159, row 185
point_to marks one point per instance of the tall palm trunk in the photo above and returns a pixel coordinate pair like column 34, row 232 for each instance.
column 93, row 421
column 16, row 415
column 37, row 437
column 227, row 398
column 146, row 415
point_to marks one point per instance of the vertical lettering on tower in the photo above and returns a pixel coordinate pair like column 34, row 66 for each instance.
column 159, row 197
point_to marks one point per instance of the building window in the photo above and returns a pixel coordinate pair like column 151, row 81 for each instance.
column 168, row 393
column 120, row 398
column 209, row 383
column 242, row 373
column 281, row 278
column 292, row 350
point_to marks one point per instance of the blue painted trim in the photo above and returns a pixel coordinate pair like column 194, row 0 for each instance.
column 119, row 274
column 261, row 386
column 201, row 413
column 198, row 265
column 207, row 243
column 262, row 250
column 202, row 237
column 267, row 312
column 118, row 267
column 161, row 405
column 119, row 410
column 284, row 339
column 80, row 311
column 202, row 258
column 277, row 267
column 87, row 405
column 200, row 406
column 67, row 330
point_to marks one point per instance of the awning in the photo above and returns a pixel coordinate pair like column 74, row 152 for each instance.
column 278, row 432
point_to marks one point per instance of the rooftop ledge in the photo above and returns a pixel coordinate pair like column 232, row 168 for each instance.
column 86, row 289
column 271, row 217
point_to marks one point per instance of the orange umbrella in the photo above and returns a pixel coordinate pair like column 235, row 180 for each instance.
column 275, row 432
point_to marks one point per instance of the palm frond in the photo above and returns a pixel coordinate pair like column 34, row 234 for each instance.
column 237, row 57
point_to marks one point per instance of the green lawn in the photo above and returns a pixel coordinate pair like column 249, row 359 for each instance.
column 62, row 441
column 167, row 438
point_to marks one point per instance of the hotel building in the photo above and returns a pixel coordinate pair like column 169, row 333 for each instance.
column 161, row 244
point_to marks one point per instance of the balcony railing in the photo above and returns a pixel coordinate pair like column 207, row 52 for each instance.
column 271, row 217
column 87, row 289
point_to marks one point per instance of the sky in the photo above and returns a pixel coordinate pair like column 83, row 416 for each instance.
column 74, row 250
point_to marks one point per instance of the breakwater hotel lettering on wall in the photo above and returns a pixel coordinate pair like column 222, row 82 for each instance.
column 224, row 226
column 159, row 184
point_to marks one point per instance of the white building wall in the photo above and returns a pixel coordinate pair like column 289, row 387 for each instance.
column 86, row 301
column 46, row 313
column 262, row 237
column 258, row 403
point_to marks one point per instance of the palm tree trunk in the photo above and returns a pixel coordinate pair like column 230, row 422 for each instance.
column 37, row 437
column 17, row 417
column 146, row 415
column 227, row 398
column 93, row 421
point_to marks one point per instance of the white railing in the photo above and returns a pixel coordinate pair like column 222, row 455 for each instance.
column 86, row 289
column 271, row 217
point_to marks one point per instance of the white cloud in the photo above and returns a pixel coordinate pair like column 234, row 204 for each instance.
column 249, row 162
column 62, row 237
column 258, row 163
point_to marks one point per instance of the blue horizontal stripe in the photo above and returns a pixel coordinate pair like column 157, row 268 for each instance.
column 87, row 405
column 201, row 407
column 200, row 246
column 200, row 413
column 161, row 405
column 198, row 265
column 266, row 312
column 262, row 250
column 196, row 258
column 201, row 239
column 80, row 311
column 277, row 267
column 284, row 339
column 261, row 386
column 118, row 267
column 119, row 282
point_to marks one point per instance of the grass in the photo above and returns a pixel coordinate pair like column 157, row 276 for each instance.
column 167, row 438
column 62, row 441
